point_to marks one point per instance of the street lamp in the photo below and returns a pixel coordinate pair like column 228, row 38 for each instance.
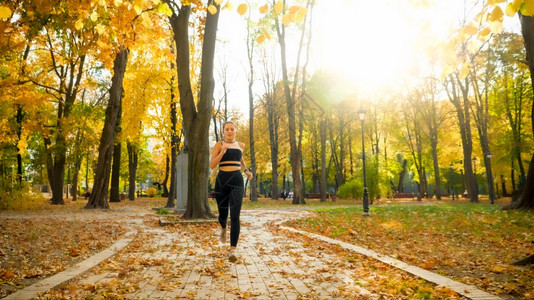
column 490, row 176
column 452, row 184
column 361, row 114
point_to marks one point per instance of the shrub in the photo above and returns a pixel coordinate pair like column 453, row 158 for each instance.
column 21, row 199
column 151, row 192
column 350, row 190
column 162, row 211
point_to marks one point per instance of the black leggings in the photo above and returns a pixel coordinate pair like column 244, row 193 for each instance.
column 229, row 190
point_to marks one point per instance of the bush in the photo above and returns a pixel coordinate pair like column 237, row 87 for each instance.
column 21, row 199
column 350, row 190
column 151, row 192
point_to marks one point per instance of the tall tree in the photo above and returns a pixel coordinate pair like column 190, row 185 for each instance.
column 196, row 118
column 280, row 27
column 98, row 198
column 458, row 93
column 250, row 55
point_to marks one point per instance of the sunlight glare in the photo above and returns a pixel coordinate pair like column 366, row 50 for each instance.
column 376, row 44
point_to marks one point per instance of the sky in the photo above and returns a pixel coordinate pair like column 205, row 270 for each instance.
column 378, row 45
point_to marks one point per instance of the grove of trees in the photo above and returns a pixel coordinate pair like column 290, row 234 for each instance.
column 102, row 95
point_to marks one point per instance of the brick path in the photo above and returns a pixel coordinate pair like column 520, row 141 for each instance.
column 269, row 266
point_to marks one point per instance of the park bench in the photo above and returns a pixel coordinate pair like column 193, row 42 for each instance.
column 403, row 196
column 333, row 197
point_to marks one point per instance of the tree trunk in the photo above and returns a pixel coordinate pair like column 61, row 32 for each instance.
column 98, row 198
column 400, row 186
column 132, row 169
column 434, row 144
column 290, row 103
column 75, row 177
column 322, row 186
column 196, row 119
column 526, row 198
column 462, row 112
column 174, row 149
column 20, row 116
column 165, row 181
column 250, row 54
column 114, row 193
column 272, row 114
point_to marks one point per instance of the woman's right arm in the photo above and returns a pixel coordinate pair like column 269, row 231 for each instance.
column 216, row 155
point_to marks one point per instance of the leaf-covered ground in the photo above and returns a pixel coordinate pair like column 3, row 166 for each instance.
column 474, row 244
column 188, row 262
column 37, row 244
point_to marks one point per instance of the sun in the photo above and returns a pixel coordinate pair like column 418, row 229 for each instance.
column 377, row 45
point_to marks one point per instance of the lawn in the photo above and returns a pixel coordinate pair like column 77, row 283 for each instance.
column 471, row 243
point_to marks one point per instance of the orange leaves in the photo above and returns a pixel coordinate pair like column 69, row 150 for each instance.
column 7, row 274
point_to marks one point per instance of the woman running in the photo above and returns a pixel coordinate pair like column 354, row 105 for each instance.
column 229, row 186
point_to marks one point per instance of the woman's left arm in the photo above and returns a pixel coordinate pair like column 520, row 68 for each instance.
column 243, row 165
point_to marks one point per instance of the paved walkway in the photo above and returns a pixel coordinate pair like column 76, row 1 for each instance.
column 171, row 263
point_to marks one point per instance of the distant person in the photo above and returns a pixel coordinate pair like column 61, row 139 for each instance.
column 229, row 186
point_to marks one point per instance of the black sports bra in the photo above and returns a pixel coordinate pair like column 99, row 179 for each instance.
column 231, row 154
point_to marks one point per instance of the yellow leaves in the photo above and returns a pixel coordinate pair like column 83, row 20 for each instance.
column 100, row 29
column 512, row 8
column 392, row 225
column 465, row 70
column 5, row 12
column 264, row 9
column 293, row 9
column 497, row 14
column 94, row 16
column 498, row 269
column 527, row 8
column 218, row 2
column 288, row 18
column 137, row 9
column 484, row 32
column 278, row 7
column 264, row 35
column 212, row 9
column 79, row 24
column 163, row 8
column 496, row 27
column 242, row 9
column 228, row 6
column 117, row 2
column 470, row 30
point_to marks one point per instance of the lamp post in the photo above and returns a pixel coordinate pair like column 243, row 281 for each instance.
column 452, row 184
column 475, row 166
column 490, row 178
column 361, row 114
